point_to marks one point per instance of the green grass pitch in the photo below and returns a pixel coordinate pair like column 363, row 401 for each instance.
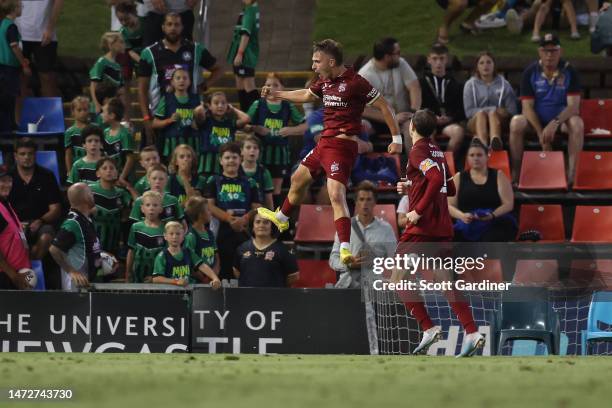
column 152, row 380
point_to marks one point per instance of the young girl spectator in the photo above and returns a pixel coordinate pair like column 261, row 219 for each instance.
column 184, row 181
column 106, row 69
column 270, row 118
column 12, row 62
column 199, row 237
column 244, row 53
column 73, row 142
column 175, row 115
column 484, row 201
column 219, row 127
column 489, row 102
column 253, row 169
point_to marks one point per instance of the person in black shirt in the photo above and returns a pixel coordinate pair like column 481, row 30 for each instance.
column 263, row 261
column 158, row 62
column 443, row 95
column 35, row 197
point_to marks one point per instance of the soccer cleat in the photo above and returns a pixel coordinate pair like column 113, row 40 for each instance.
column 471, row 343
column 271, row 216
column 430, row 336
column 345, row 256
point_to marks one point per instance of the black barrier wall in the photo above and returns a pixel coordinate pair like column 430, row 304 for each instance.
column 232, row 320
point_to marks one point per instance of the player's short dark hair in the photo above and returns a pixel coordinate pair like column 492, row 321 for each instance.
column 438, row 49
column 157, row 167
column 251, row 139
column 232, row 147
column 126, row 7
column 103, row 160
column 330, row 47
column 7, row 7
column 194, row 207
column 424, row 122
column 172, row 15
column 149, row 149
column 25, row 143
column 367, row 186
column 384, row 47
column 115, row 107
column 477, row 144
column 92, row 130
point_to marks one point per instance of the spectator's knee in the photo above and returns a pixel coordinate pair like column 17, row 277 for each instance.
column 482, row 115
column 576, row 125
column 518, row 124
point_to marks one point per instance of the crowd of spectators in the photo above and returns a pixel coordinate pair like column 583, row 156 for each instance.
column 194, row 208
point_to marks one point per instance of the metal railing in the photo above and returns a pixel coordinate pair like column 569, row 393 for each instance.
column 202, row 24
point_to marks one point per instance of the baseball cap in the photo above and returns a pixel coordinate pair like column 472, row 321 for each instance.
column 549, row 39
column 4, row 170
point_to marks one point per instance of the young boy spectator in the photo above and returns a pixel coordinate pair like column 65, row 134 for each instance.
column 131, row 31
column 149, row 156
column 443, row 95
column 258, row 172
column 118, row 140
column 73, row 142
column 84, row 169
column 200, row 238
column 12, row 62
column 231, row 198
column 106, row 69
column 171, row 209
column 184, row 181
column 111, row 205
column 76, row 247
column 178, row 265
column 146, row 239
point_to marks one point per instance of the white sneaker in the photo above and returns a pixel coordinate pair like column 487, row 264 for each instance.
column 471, row 343
column 490, row 21
column 514, row 22
column 430, row 336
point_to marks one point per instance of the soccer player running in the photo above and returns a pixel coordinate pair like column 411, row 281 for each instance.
column 344, row 94
column 428, row 185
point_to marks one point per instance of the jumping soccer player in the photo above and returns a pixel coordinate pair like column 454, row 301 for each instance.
column 344, row 94
column 428, row 185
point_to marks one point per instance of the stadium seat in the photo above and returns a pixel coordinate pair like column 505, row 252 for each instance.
column 40, row 275
column 592, row 224
column 49, row 109
column 492, row 271
column 450, row 160
column 388, row 213
column 497, row 160
column 315, row 224
column 536, row 272
column 314, row 274
column 591, row 274
column 543, row 171
column 596, row 114
column 48, row 160
column 547, row 219
column 593, row 171
column 600, row 310
column 526, row 314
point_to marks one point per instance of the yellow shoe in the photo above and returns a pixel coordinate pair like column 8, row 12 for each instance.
column 345, row 256
column 271, row 216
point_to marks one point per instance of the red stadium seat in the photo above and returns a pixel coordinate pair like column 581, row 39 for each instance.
column 596, row 114
column 596, row 274
column 497, row 160
column 314, row 274
column 492, row 271
column 593, row 171
column 450, row 160
column 315, row 224
column 592, row 224
column 398, row 168
column 388, row 213
column 536, row 272
column 543, row 171
column 547, row 219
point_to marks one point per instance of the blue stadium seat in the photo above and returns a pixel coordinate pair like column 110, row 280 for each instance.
column 600, row 311
column 48, row 160
column 526, row 314
column 50, row 127
column 40, row 275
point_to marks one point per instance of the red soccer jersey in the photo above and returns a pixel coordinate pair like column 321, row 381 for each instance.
column 427, row 168
column 344, row 98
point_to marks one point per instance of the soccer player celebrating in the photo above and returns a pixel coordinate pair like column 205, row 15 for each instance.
column 344, row 94
column 428, row 185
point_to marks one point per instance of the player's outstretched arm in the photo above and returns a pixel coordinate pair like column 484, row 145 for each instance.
column 297, row 96
column 396, row 145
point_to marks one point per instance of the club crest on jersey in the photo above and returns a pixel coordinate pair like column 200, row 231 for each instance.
column 186, row 56
column 168, row 211
column 160, row 241
column 269, row 256
column 426, row 165
column 342, row 87
column 247, row 254
column 334, row 168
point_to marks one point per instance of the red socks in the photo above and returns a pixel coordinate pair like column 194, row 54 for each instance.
column 418, row 311
column 287, row 207
column 343, row 227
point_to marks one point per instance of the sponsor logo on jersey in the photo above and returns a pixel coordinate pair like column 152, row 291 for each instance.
column 247, row 254
column 334, row 168
column 342, row 87
column 426, row 165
